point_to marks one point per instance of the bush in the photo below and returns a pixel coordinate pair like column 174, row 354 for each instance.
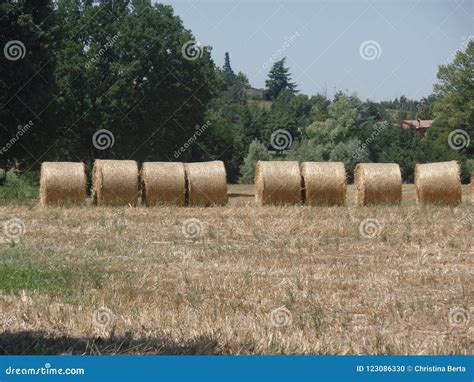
column 19, row 187
column 257, row 151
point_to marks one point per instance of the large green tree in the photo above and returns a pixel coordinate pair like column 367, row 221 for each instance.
column 228, row 74
column 455, row 91
column 279, row 78
column 133, row 69
column 26, row 80
column 452, row 135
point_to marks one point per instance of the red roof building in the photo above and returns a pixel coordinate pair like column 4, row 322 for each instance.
column 419, row 124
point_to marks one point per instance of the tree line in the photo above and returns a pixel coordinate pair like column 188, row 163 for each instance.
column 71, row 70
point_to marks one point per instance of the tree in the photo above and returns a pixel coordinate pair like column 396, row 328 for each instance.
column 396, row 145
column 453, row 125
column 320, row 106
column 455, row 91
column 281, row 116
column 26, row 80
column 426, row 107
column 344, row 152
column 130, row 74
column 257, row 151
column 343, row 114
column 279, row 79
column 228, row 74
column 333, row 139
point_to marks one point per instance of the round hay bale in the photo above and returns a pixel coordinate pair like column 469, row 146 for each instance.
column 206, row 183
column 62, row 182
column 277, row 182
column 115, row 182
column 438, row 183
column 163, row 183
column 378, row 183
column 324, row 183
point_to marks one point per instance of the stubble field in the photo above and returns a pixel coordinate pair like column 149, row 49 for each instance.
column 238, row 279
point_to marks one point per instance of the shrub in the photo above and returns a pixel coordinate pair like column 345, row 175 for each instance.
column 257, row 151
column 19, row 187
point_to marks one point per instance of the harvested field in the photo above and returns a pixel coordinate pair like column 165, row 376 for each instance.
column 238, row 279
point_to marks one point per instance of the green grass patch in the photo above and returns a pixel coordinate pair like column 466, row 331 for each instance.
column 72, row 285
column 20, row 188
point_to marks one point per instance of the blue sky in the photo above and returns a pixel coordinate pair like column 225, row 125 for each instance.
column 379, row 49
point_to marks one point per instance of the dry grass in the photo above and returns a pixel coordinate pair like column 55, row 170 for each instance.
column 212, row 289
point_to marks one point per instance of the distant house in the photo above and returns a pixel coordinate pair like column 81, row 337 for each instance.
column 419, row 124
column 252, row 92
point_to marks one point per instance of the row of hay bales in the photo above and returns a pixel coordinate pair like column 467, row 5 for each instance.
column 118, row 182
column 324, row 183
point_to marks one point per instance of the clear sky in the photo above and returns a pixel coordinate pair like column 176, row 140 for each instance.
column 380, row 49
